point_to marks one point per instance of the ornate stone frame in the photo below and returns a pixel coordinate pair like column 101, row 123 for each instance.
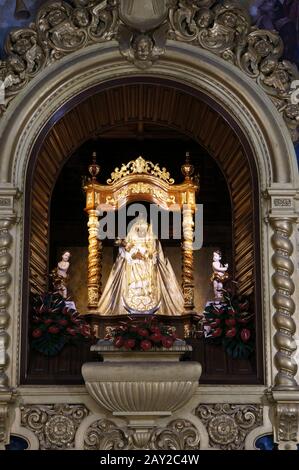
column 278, row 194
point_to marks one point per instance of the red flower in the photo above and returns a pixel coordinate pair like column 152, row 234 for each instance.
column 53, row 330
column 129, row 343
column 63, row 322
column 245, row 335
column 48, row 321
column 231, row 333
column 142, row 332
column 167, row 342
column 145, row 345
column 217, row 332
column 37, row 333
column 231, row 311
column 118, row 342
column 230, row 322
column 156, row 337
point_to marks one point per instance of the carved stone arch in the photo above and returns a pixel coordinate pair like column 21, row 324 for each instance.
column 42, row 102
column 250, row 108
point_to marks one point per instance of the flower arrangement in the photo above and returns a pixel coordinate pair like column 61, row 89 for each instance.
column 231, row 324
column 143, row 335
column 54, row 324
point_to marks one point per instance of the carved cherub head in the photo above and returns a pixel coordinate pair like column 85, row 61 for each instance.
column 22, row 45
column 143, row 47
column 263, row 47
column 229, row 19
column 204, row 18
column 268, row 66
column 16, row 64
column 81, row 17
column 55, row 17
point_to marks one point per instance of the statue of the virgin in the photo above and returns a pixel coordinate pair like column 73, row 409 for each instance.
column 142, row 279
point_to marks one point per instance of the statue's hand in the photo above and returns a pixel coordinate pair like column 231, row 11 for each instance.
column 138, row 255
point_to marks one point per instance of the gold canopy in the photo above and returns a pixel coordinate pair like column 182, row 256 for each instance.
column 140, row 180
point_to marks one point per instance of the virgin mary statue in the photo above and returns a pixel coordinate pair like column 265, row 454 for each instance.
column 142, row 279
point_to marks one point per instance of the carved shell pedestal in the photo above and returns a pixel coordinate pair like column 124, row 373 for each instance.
column 141, row 387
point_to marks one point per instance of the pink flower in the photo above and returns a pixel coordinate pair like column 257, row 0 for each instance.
column 245, row 335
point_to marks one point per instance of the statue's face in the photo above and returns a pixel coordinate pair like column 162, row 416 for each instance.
column 143, row 49
column 217, row 257
column 142, row 231
column 66, row 256
column 81, row 18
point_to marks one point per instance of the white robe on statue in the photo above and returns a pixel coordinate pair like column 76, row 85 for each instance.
column 141, row 278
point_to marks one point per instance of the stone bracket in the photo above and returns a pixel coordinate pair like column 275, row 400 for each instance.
column 285, row 417
column 7, row 399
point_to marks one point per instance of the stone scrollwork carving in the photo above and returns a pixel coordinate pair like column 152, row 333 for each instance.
column 179, row 434
column 54, row 425
column 228, row 425
column 106, row 435
column 142, row 29
column 62, row 29
column 226, row 30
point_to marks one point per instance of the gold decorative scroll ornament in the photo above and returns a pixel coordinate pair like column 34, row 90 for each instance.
column 140, row 166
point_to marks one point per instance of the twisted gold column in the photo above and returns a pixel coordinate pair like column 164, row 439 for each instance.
column 284, row 304
column 5, row 280
column 94, row 260
column 187, row 275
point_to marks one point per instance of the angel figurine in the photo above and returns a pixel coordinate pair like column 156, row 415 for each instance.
column 219, row 276
column 59, row 274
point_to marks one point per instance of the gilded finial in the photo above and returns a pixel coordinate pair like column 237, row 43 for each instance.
column 94, row 168
column 187, row 168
